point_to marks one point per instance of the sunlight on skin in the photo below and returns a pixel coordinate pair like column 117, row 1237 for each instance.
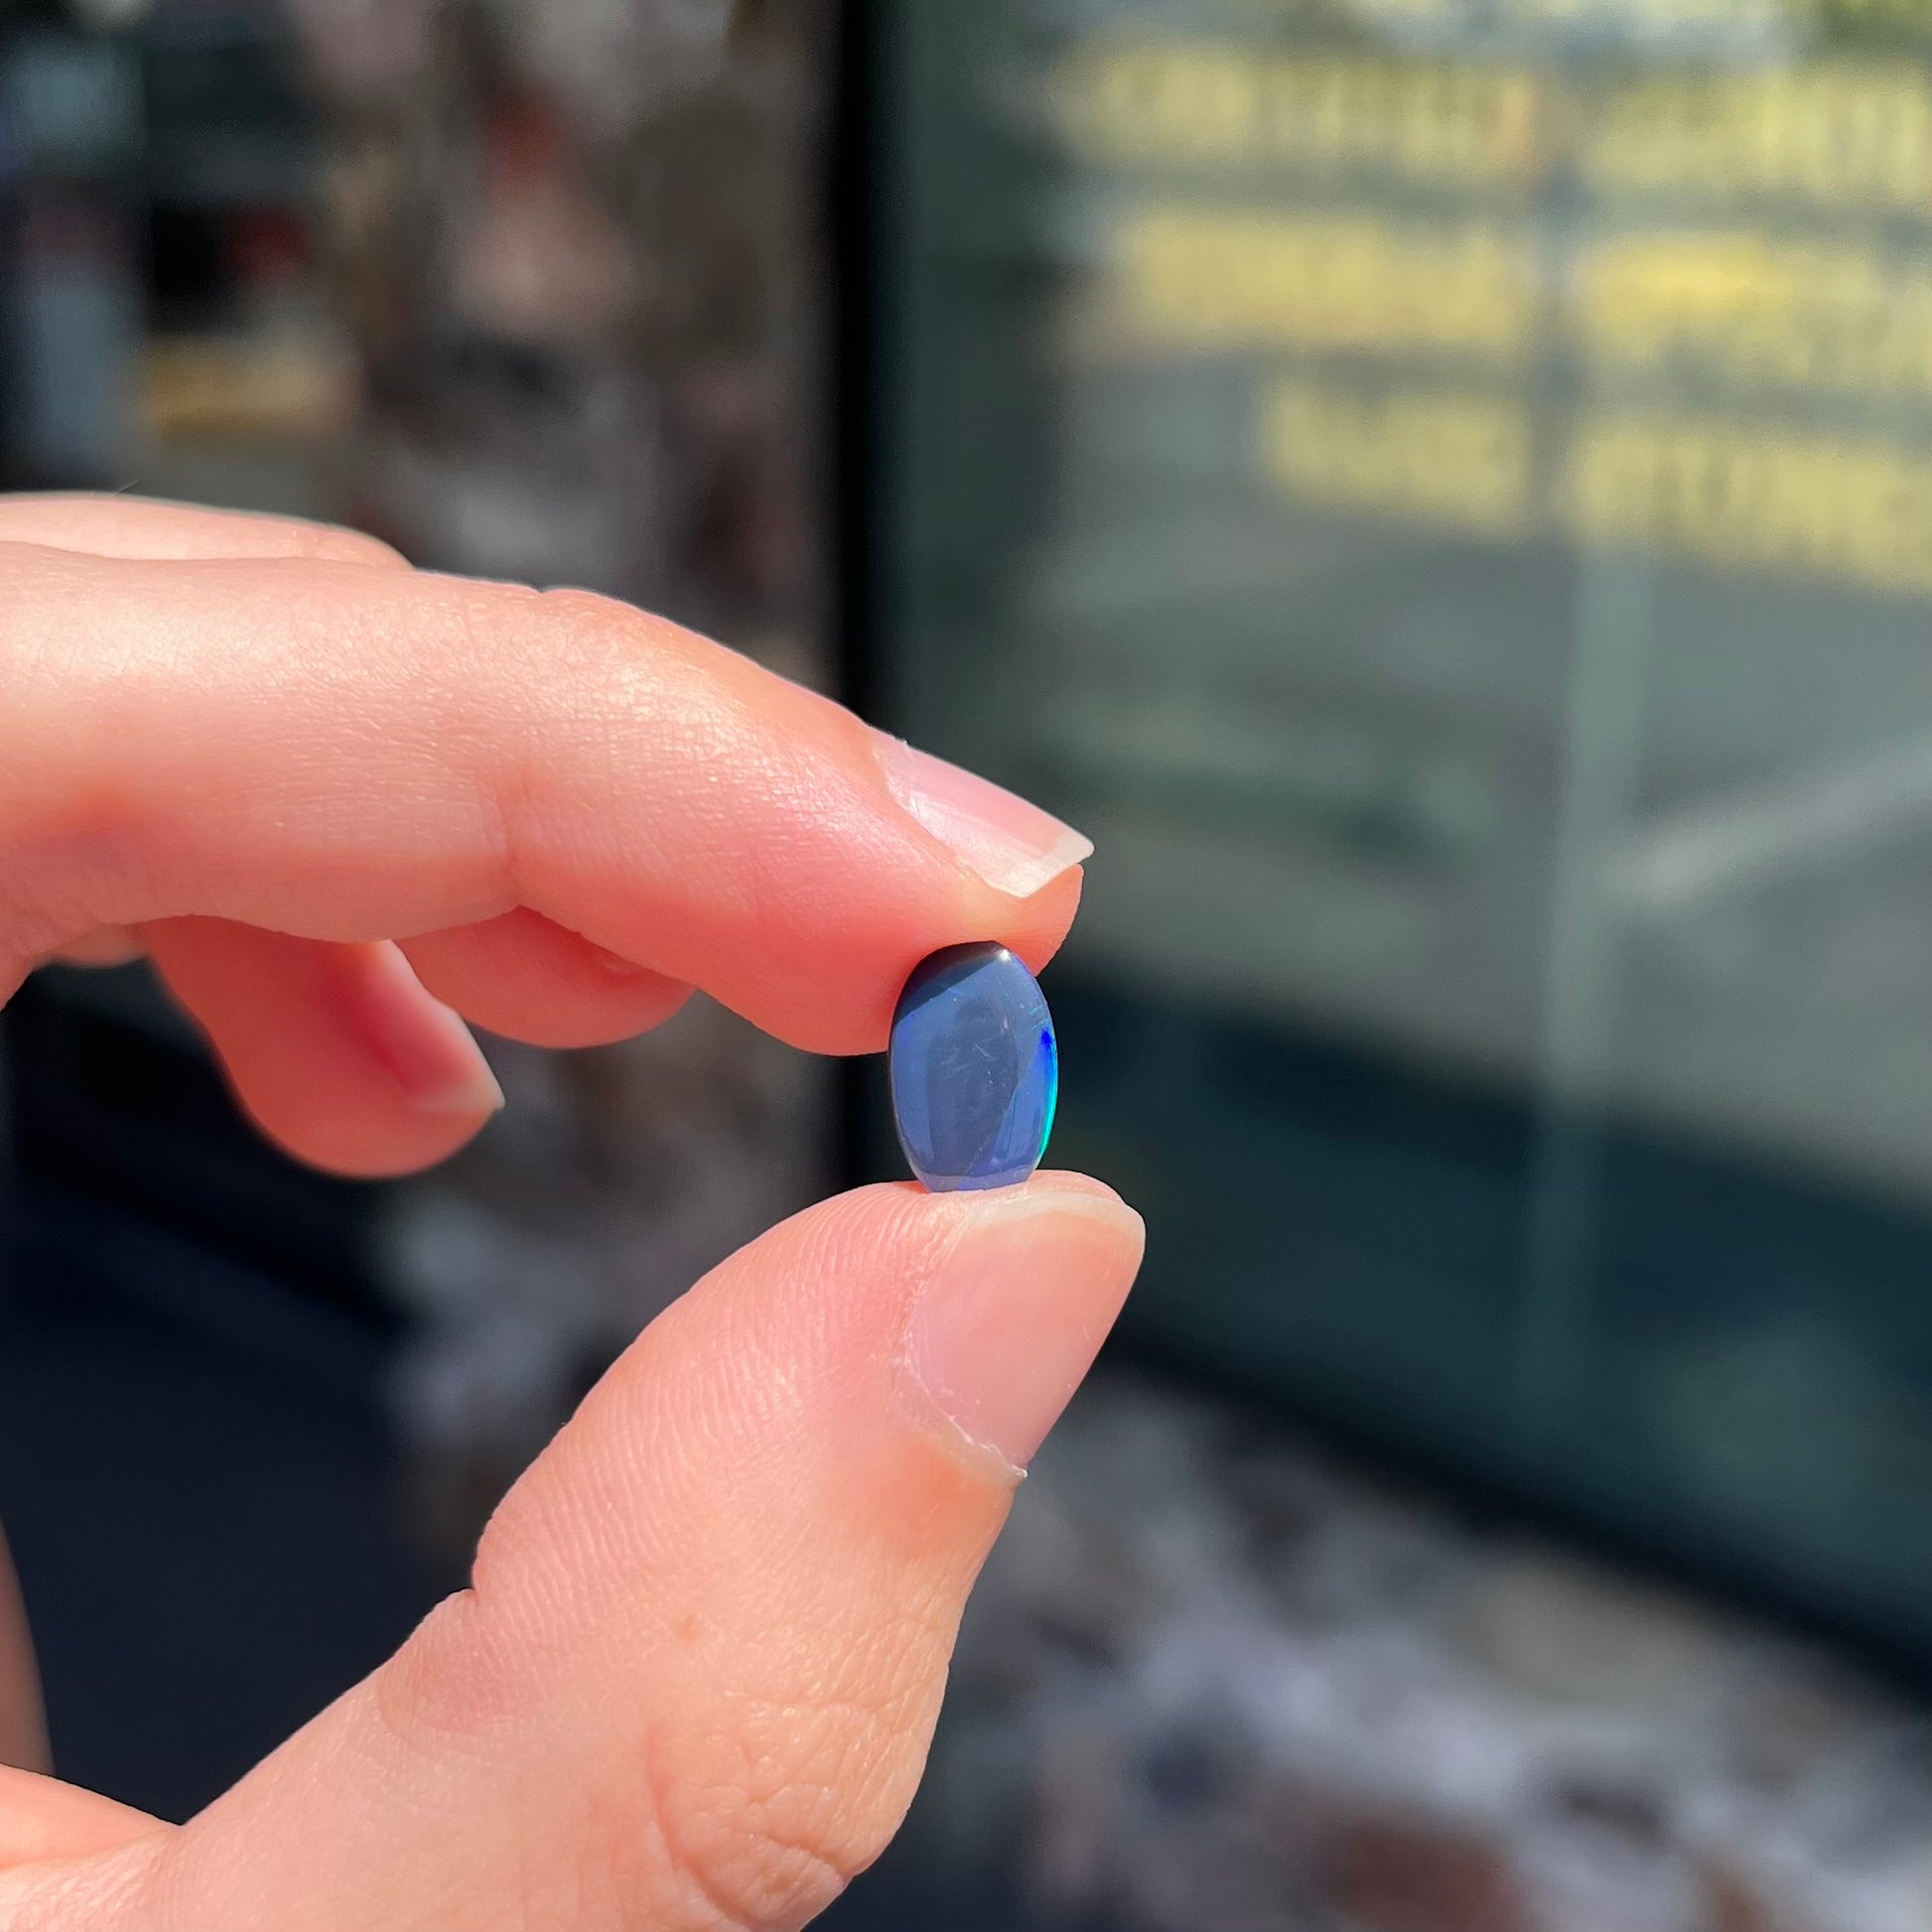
column 348, row 808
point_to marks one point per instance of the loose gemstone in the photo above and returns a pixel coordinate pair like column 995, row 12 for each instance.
column 975, row 1069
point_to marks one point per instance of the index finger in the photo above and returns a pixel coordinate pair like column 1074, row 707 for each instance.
column 343, row 753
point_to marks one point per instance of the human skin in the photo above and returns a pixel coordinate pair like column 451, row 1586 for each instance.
column 346, row 808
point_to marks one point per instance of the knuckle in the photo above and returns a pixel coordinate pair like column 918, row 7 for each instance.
column 727, row 1875
column 330, row 544
column 587, row 620
column 453, row 1682
column 594, row 639
column 570, row 604
column 589, row 627
column 761, row 1822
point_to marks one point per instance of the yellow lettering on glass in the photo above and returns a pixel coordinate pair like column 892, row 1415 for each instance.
column 1756, row 313
column 1836, row 135
column 1732, row 495
column 1463, row 462
column 1206, row 104
column 1206, row 280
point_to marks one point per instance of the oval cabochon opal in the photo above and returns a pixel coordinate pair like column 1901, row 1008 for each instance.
column 975, row 1069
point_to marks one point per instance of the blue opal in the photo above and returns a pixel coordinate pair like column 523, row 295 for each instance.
column 976, row 1071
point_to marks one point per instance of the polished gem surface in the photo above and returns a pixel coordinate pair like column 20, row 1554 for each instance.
column 975, row 1069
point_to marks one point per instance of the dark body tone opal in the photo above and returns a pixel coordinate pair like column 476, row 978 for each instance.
column 975, row 1069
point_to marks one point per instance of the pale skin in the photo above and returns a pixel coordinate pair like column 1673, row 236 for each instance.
column 347, row 808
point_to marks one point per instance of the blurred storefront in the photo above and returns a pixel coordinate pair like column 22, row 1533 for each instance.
column 1441, row 492
column 1459, row 539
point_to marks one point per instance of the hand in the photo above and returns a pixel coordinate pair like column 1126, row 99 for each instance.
column 343, row 806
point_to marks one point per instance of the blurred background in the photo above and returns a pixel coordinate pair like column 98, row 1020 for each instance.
column 1442, row 492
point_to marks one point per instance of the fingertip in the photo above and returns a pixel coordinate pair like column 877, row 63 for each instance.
column 336, row 1051
column 1033, row 930
column 524, row 977
column 1038, row 927
column 1005, row 1330
column 1070, row 1183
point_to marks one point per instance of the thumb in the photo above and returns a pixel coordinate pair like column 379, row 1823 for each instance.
column 694, row 1679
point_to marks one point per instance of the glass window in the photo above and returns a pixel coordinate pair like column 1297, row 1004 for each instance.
column 1441, row 492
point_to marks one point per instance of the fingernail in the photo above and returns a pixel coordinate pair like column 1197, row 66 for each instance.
column 430, row 1054
column 614, row 963
column 477, row 1091
column 1008, row 1327
column 1015, row 846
